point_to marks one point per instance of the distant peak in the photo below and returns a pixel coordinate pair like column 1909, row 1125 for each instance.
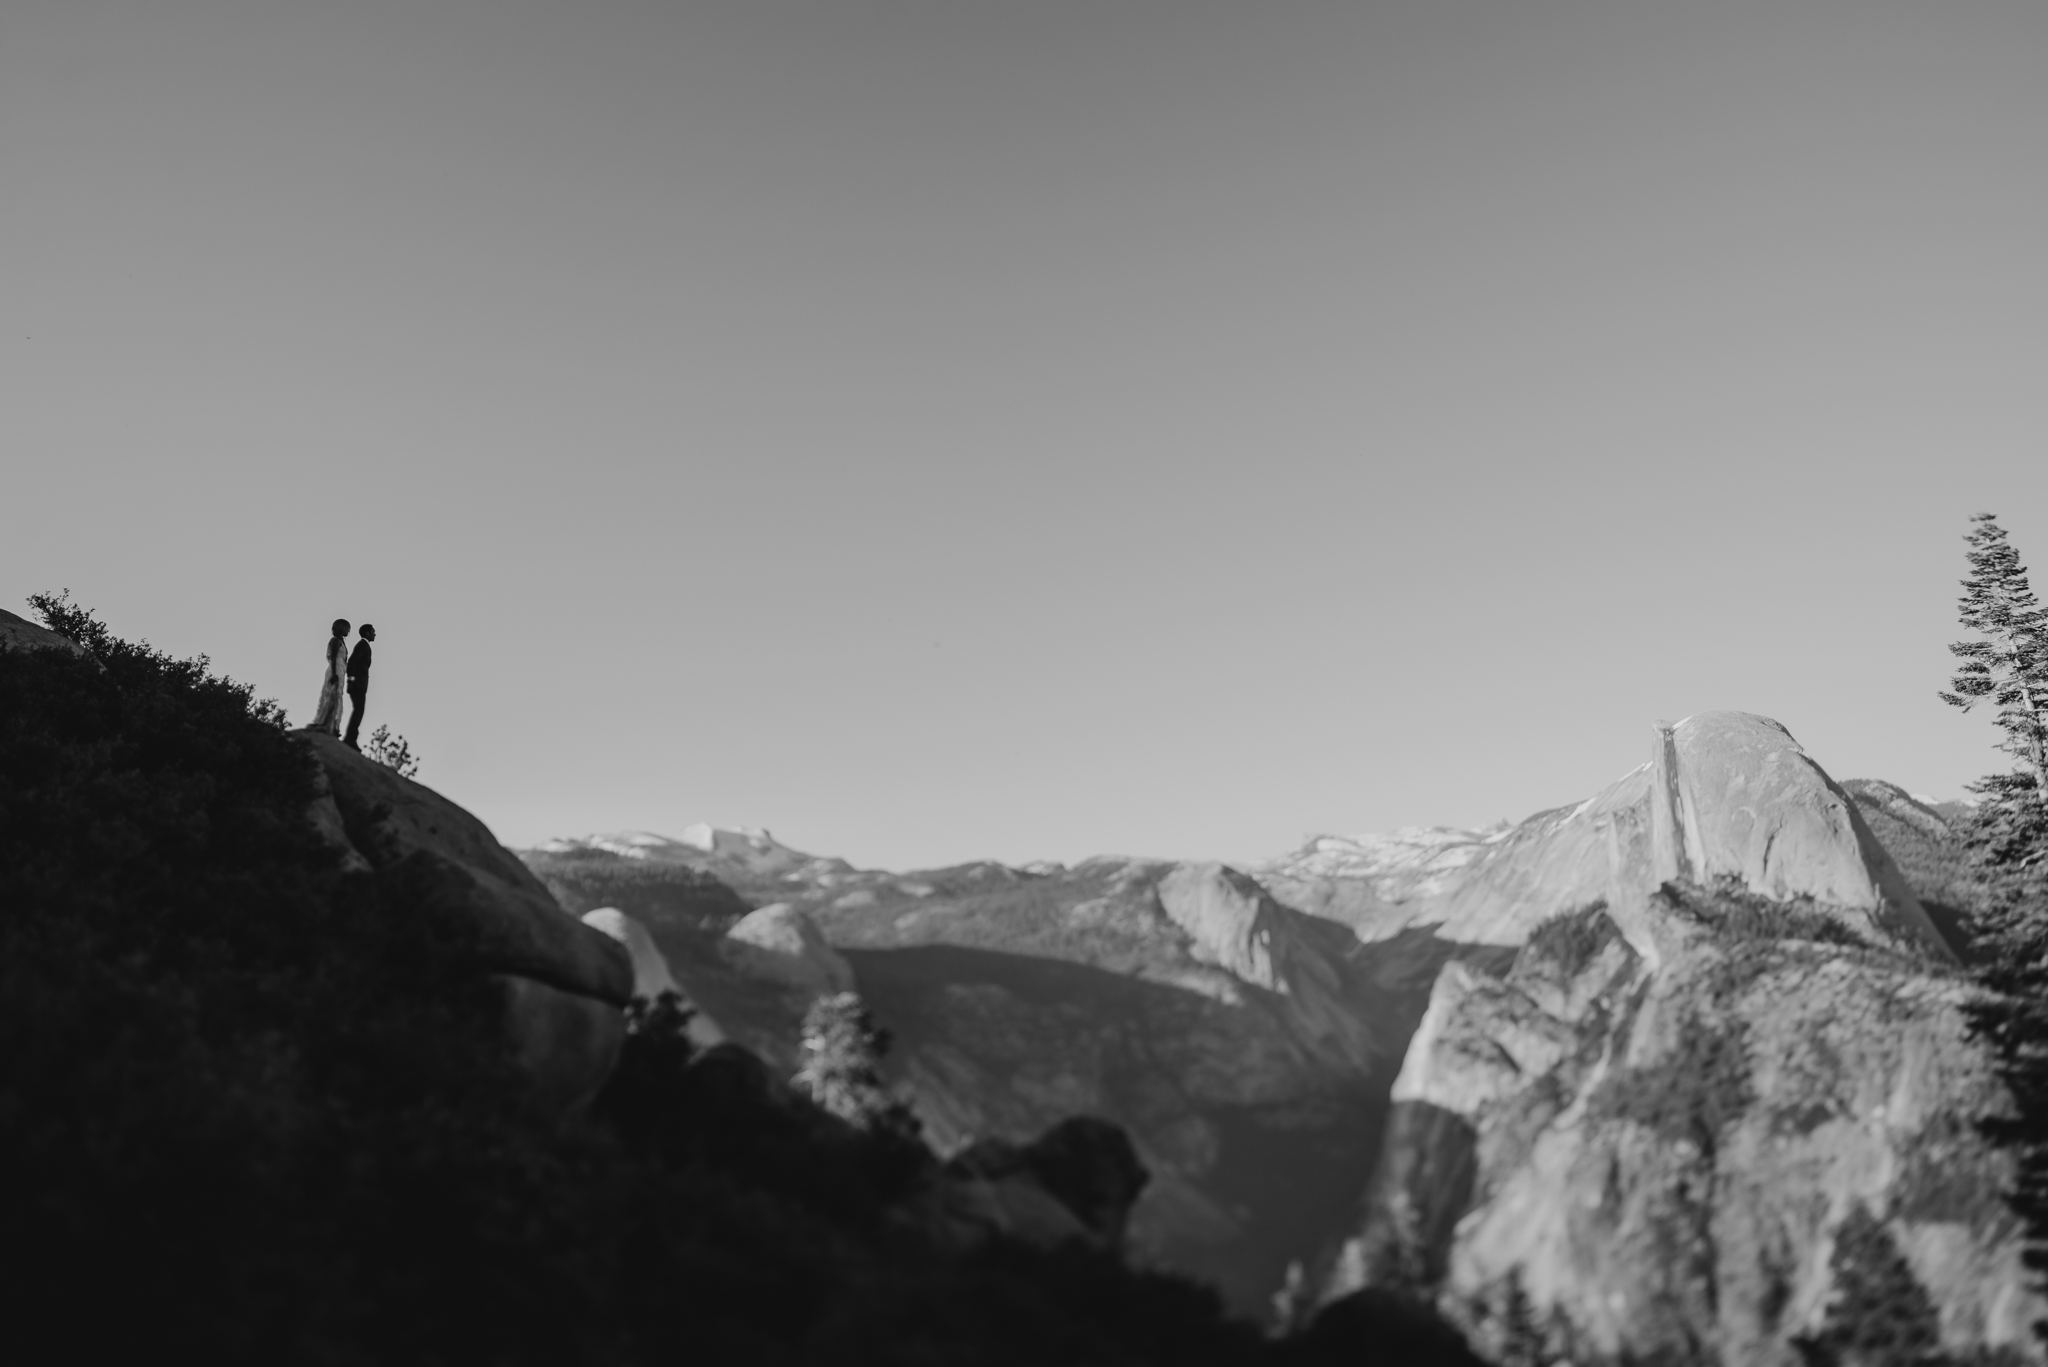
column 711, row 839
column 746, row 850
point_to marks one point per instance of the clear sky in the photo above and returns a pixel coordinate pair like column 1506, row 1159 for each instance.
column 940, row 430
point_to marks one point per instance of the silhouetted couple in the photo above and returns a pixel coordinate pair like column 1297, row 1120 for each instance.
column 346, row 669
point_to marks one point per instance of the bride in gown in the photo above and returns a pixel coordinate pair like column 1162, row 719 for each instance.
column 332, row 688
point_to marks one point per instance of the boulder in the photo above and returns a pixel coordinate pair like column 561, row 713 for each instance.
column 783, row 944
column 18, row 633
column 430, row 855
column 562, row 982
column 564, row 1044
column 651, row 973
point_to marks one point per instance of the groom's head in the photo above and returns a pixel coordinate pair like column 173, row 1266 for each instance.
column 369, row 633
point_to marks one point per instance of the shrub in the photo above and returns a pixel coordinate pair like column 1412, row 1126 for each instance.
column 1693, row 1093
column 843, row 1050
column 1735, row 915
column 1572, row 939
column 393, row 751
column 1880, row 1316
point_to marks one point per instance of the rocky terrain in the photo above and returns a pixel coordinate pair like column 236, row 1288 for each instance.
column 1619, row 1072
column 1645, row 1136
column 1247, row 1048
column 1681, row 1072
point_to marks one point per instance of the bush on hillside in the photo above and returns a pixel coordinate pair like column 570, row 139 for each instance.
column 1734, row 915
column 225, row 1066
column 1692, row 1093
column 1880, row 1315
column 842, row 1066
column 1572, row 939
column 393, row 752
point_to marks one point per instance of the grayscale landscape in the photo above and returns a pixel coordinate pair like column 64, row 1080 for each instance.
column 1635, row 1060
column 1023, row 683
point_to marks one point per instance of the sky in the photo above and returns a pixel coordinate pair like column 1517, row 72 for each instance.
column 940, row 431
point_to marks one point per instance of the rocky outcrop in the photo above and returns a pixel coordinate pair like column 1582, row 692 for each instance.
column 1227, row 917
column 652, row 977
column 1280, row 1039
column 1641, row 1140
column 1735, row 800
column 18, row 633
column 1923, row 839
column 563, row 983
column 783, row 944
column 1727, row 798
column 651, row 974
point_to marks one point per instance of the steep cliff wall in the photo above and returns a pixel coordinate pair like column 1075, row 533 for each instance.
column 1645, row 1138
column 1268, row 1037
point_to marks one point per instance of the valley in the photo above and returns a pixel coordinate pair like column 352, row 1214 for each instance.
column 1351, row 1061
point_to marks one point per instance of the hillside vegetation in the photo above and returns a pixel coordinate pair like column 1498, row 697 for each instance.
column 253, row 1113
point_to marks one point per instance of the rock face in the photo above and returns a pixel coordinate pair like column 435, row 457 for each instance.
column 1735, row 800
column 1428, row 1060
column 18, row 633
column 1642, row 1139
column 563, row 982
column 783, row 944
column 1246, row 1048
column 652, row 976
column 1919, row 837
column 1727, row 797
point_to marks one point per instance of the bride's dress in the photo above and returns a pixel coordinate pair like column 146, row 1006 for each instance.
column 328, row 717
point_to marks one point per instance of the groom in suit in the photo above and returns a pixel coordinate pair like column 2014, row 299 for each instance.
column 358, row 683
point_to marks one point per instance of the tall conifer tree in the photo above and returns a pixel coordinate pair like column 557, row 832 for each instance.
column 842, row 1066
column 2007, row 665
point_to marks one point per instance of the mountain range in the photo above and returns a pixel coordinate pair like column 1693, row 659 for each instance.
column 1616, row 1076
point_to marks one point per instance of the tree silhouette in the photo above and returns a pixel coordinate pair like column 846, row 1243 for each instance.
column 393, row 751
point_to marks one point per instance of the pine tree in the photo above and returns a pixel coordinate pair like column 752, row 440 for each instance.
column 842, row 1066
column 2008, row 840
column 1881, row 1316
column 2007, row 666
column 1522, row 1342
column 393, row 751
